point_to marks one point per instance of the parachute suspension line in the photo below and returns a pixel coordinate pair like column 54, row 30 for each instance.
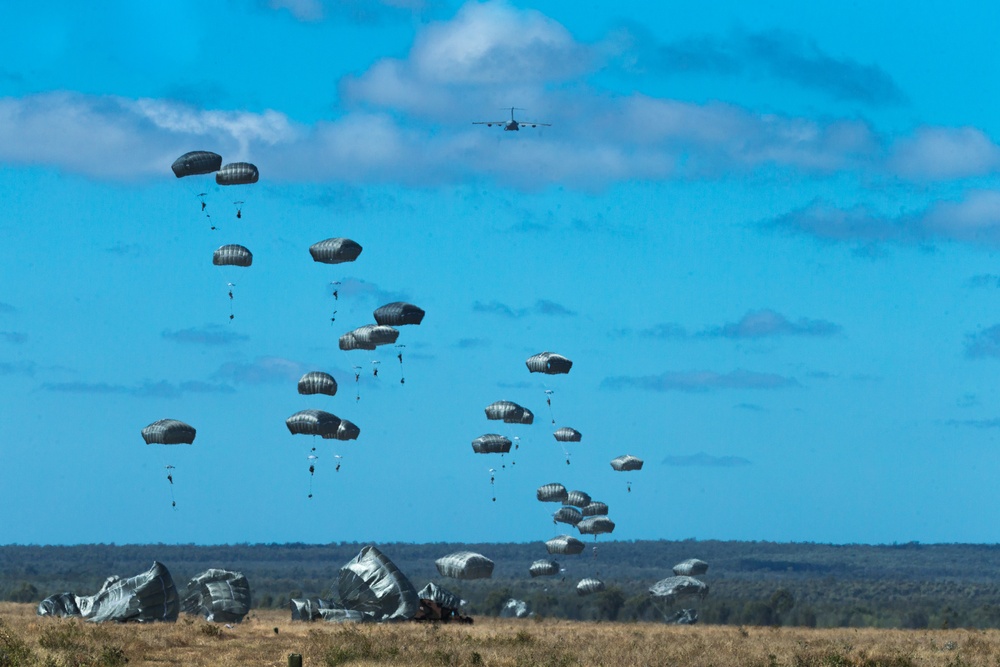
column 493, row 487
column 399, row 355
column 357, row 383
column 312, row 458
column 231, row 314
column 375, row 364
column 335, row 284
column 239, row 208
column 170, row 478
column 517, row 446
column 628, row 486
column 548, row 401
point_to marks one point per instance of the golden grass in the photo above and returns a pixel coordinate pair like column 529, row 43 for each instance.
column 490, row 642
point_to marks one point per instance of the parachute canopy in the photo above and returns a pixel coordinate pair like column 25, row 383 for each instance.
column 61, row 604
column 491, row 443
column 222, row 596
column 465, row 565
column 567, row 434
column 232, row 255
column 595, row 509
column 335, row 251
column 196, row 162
column 551, row 493
column 566, row 514
column 577, row 499
column 398, row 313
column 237, row 173
column 565, row 545
column 510, row 412
column 150, row 596
column 514, row 608
column 672, row 588
column 373, row 585
column 368, row 337
column 317, row 382
column 589, row 585
column 692, row 567
column 549, row 363
column 168, row 432
column 440, row 595
column 626, row 462
column 595, row 525
column 345, row 431
column 313, row 422
column 544, row 568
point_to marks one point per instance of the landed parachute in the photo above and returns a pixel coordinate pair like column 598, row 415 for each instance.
column 218, row 595
column 194, row 163
column 313, row 609
column 440, row 595
column 509, row 412
column 373, row 585
column 544, row 568
column 150, row 596
column 549, row 363
column 567, row 434
column 317, row 382
column 465, row 565
column 237, row 173
column 564, row 545
column 335, row 251
column 672, row 588
column 514, row 608
column 596, row 525
column 313, row 422
column 692, row 567
column 168, row 432
column 398, row 314
column 491, row 443
column 551, row 493
column 61, row 604
column 589, row 585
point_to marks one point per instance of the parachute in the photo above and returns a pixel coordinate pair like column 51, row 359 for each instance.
column 595, row 509
column 549, row 363
column 509, row 412
column 317, row 382
column 222, row 596
column 692, row 567
column 312, row 609
column 589, row 585
column 398, row 314
column 491, row 443
column 551, row 493
column 567, row 434
column 232, row 255
column 368, row 337
column 237, row 173
column 150, row 596
column 595, row 525
column 313, row 422
column 194, row 163
column 61, row 604
column 345, row 431
column 577, row 499
column 566, row 514
column 543, row 568
column 439, row 595
column 514, row 608
column 672, row 588
column 373, row 585
column 335, row 251
column 168, row 432
column 565, row 545
column 465, row 565
column 626, row 463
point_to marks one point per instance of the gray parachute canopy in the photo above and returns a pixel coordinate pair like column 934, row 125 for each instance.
column 313, row 609
column 551, row 493
column 150, row 596
column 595, row 509
column 237, row 173
column 577, row 499
column 465, row 565
column 491, row 443
column 373, row 585
column 595, row 525
column 513, row 608
column 61, row 604
column 317, row 382
column 345, row 431
column 368, row 337
column 565, row 545
column 232, row 255
column 549, row 363
column 313, row 422
column 672, row 588
column 692, row 567
column 168, row 432
column 544, row 568
column 222, row 596
column 440, row 595
column 626, row 462
column 398, row 314
column 510, row 412
column 335, row 251
column 683, row 617
column 566, row 514
column 567, row 434
column 196, row 162
column 589, row 585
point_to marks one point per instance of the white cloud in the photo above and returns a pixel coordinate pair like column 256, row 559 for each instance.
column 935, row 153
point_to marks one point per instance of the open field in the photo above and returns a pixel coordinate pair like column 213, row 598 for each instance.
column 26, row 639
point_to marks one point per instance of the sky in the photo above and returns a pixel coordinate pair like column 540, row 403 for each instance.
column 765, row 234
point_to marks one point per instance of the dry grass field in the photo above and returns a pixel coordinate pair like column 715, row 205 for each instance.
column 26, row 639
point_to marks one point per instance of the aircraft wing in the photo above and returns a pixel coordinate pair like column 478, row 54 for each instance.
column 524, row 123
column 489, row 122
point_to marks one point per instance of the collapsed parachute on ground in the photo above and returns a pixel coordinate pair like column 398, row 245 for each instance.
column 222, row 596
column 465, row 565
column 595, row 509
column 237, row 173
column 373, row 585
column 514, row 609
column 567, row 514
column 577, row 499
column 335, row 251
column 440, row 595
column 692, row 567
column 491, row 443
column 510, row 412
column 567, row 434
column 314, row 609
column 398, row 314
column 564, row 545
column 345, row 431
column 317, row 382
column 543, row 568
column 168, row 432
column 626, row 463
column 194, row 163
column 595, row 525
column 313, row 422
column 589, row 585
column 368, row 337
column 150, row 596
column 683, row 617
column 672, row 588
column 232, row 255
column 60, row 604
column 551, row 493
column 549, row 363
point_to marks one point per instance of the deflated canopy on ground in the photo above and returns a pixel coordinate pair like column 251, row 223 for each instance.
column 313, row 422
column 549, row 363
column 398, row 313
column 195, row 163
column 168, row 432
column 314, row 609
column 150, row 596
column 60, row 604
column 373, row 585
column 551, row 493
column 673, row 588
column 589, row 585
column 513, row 608
column 219, row 595
column 565, row 545
column 544, row 568
column 692, row 567
column 491, row 443
column 626, row 463
column 317, row 382
column 335, row 251
column 440, row 595
column 232, row 255
column 465, row 565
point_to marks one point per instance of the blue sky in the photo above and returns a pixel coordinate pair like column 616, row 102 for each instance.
column 766, row 236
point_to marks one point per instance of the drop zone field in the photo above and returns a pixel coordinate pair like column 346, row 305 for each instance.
column 267, row 637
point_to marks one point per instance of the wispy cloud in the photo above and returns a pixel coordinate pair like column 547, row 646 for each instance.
column 472, row 343
column 983, row 344
column 975, row 423
column 148, row 389
column 700, row 381
column 18, row 368
column 262, row 370
column 662, row 331
column 357, row 288
column 984, row 280
column 701, row 459
column 6, row 308
column 14, row 337
column 541, row 307
column 209, row 334
column 358, row 11
column 768, row 323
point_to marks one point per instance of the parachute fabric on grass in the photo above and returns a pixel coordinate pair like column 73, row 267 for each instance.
column 194, row 163
column 317, row 382
column 683, row 617
column 551, row 493
column 168, row 432
column 567, row 514
column 543, row 568
column 514, row 609
column 335, row 251
column 567, row 434
column 439, row 595
column 61, row 604
column 673, row 588
column 564, row 545
column 549, row 363
column 596, row 525
column 589, row 585
column 595, row 509
column 150, row 596
column 373, row 585
column 626, row 463
column 465, row 565
column 398, row 314
column 577, row 499
column 232, row 255
column 237, row 173
column 309, row 609
column 313, row 422
column 222, row 596
column 692, row 567
column 491, row 443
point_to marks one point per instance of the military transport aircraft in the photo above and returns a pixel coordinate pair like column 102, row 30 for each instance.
column 511, row 125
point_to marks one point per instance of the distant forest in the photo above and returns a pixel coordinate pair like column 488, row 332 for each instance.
column 752, row 583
